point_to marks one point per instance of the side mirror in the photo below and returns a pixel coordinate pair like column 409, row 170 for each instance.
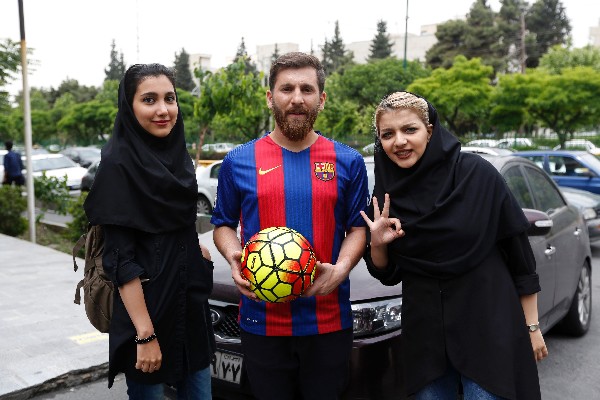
column 540, row 223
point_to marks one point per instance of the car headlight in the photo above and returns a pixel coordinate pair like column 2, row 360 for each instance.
column 377, row 317
column 588, row 213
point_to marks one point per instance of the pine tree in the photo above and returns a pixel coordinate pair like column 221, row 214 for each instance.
column 275, row 54
column 481, row 36
column 548, row 21
column 243, row 54
column 184, row 78
column 381, row 47
column 116, row 67
column 510, row 31
column 335, row 56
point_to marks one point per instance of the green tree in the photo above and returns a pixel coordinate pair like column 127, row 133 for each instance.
column 461, row 94
column 567, row 102
column 116, row 67
column 510, row 32
column 450, row 43
column 481, row 36
column 509, row 103
column 86, row 123
column 381, row 46
column 560, row 57
column 242, row 54
column 184, row 78
column 548, row 21
column 10, row 60
column 335, row 55
column 352, row 96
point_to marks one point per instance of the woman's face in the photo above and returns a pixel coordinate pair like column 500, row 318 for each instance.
column 155, row 105
column 403, row 135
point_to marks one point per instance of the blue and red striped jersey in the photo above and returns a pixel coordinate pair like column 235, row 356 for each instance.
column 319, row 192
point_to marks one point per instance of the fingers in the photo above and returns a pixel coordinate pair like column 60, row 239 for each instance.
column 367, row 219
column 541, row 353
column 375, row 209
column 386, row 206
column 148, row 366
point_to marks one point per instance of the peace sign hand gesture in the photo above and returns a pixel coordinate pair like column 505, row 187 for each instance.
column 383, row 229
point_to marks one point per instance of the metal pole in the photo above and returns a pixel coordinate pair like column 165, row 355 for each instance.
column 27, row 123
column 405, row 35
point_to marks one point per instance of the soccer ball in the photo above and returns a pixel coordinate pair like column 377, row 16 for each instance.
column 279, row 263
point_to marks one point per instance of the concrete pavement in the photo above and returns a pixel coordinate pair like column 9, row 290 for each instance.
column 46, row 341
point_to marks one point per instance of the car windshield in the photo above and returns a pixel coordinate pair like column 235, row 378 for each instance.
column 89, row 153
column 44, row 164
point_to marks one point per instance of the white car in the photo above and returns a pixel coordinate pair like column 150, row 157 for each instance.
column 207, row 178
column 218, row 147
column 492, row 151
column 514, row 142
column 580, row 144
column 59, row 166
column 2, row 153
column 482, row 143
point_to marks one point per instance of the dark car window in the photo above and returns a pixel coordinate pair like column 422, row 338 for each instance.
column 518, row 186
column 546, row 196
column 214, row 172
column 538, row 160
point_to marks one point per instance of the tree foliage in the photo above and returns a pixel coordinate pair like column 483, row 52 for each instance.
column 381, row 46
column 181, row 65
column 335, row 55
column 116, row 67
column 548, row 22
column 10, row 60
column 460, row 94
column 560, row 57
column 242, row 54
column 450, row 43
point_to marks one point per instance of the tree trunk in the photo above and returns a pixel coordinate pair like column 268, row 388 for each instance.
column 199, row 146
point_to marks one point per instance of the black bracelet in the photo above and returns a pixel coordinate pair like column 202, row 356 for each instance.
column 145, row 340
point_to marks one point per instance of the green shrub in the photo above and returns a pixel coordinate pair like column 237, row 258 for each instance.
column 78, row 226
column 52, row 193
column 12, row 206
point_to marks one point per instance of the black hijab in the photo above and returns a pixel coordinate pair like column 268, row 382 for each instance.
column 143, row 182
column 454, row 207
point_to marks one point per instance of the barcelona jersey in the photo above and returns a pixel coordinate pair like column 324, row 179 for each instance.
column 319, row 192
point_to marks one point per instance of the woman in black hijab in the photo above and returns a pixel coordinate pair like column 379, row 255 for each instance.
column 452, row 233
column 144, row 196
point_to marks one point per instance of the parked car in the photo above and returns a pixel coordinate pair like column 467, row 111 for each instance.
column 491, row 151
column 514, row 142
column 577, row 169
column 83, row 156
column 88, row 177
column 580, row 144
column 482, row 143
column 561, row 247
column 589, row 206
column 2, row 153
column 218, row 147
column 207, row 178
column 59, row 166
column 369, row 149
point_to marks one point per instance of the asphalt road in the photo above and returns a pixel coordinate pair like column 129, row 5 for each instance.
column 570, row 372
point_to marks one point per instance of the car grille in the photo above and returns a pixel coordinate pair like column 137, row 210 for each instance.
column 225, row 323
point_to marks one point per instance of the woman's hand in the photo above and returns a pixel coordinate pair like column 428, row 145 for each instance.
column 383, row 229
column 149, row 356
column 539, row 345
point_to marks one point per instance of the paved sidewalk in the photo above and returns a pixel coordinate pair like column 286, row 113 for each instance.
column 46, row 341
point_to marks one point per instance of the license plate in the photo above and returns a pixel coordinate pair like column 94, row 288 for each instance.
column 227, row 367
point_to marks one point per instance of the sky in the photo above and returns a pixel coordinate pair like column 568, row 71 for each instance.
column 72, row 38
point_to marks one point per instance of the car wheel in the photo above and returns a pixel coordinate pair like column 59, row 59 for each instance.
column 577, row 320
column 204, row 206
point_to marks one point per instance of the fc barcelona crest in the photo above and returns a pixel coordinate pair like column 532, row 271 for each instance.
column 324, row 171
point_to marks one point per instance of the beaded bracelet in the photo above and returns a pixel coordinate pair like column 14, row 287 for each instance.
column 145, row 340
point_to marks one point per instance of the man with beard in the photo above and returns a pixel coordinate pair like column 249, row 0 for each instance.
column 295, row 177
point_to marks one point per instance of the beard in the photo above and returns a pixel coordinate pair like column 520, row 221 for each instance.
column 295, row 129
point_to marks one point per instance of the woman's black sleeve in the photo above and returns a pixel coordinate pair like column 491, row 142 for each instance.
column 118, row 258
column 521, row 263
column 390, row 275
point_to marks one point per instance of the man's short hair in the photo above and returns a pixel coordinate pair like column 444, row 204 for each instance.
column 8, row 144
column 297, row 60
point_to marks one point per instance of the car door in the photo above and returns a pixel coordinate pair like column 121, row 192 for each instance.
column 565, row 240
column 543, row 251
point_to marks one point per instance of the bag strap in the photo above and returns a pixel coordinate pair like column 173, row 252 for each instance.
column 78, row 292
column 77, row 248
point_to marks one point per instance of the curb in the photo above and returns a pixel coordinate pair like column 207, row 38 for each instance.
column 70, row 379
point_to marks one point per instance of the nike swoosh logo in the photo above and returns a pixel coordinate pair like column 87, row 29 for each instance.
column 266, row 171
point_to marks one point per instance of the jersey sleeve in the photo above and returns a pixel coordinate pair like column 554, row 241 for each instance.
column 227, row 204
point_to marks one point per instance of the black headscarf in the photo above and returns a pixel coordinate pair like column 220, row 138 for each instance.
column 143, row 182
column 454, row 207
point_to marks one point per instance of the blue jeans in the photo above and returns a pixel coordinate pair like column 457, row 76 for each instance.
column 446, row 388
column 195, row 387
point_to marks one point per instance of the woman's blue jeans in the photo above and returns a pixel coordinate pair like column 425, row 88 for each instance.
column 195, row 387
column 446, row 388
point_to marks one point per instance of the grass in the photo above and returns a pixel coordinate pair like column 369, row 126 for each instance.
column 52, row 237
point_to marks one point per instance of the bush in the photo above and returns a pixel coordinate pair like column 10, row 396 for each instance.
column 52, row 193
column 12, row 206
column 78, row 226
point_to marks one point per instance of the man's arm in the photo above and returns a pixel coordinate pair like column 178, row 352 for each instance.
column 329, row 276
column 229, row 246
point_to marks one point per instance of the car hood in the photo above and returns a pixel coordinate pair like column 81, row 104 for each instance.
column 363, row 287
